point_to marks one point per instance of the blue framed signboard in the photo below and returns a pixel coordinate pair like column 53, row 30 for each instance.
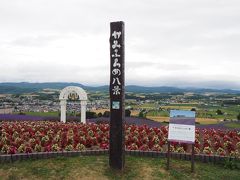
column 182, row 126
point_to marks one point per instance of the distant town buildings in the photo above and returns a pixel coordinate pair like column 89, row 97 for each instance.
column 6, row 111
column 10, row 104
column 136, row 102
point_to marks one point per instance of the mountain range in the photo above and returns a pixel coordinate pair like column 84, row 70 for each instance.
column 26, row 87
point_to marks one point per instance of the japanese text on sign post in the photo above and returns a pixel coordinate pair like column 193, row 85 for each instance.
column 116, row 65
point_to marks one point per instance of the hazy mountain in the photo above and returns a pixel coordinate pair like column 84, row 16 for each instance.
column 25, row 87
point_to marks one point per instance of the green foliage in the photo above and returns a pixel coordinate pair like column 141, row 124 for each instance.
column 90, row 115
column 127, row 113
column 22, row 113
column 106, row 114
column 219, row 112
column 142, row 114
column 43, row 96
column 100, row 114
column 238, row 116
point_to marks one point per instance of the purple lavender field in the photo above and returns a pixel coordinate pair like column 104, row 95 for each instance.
column 129, row 120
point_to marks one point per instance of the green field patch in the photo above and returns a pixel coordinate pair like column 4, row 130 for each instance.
column 158, row 113
column 45, row 114
column 184, row 104
column 233, row 125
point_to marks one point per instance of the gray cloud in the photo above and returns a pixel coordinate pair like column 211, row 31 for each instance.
column 32, row 41
column 168, row 39
column 160, row 65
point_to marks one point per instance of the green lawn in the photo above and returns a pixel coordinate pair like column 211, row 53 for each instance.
column 231, row 112
column 48, row 114
column 147, row 106
column 233, row 125
column 158, row 113
column 96, row 167
column 184, row 104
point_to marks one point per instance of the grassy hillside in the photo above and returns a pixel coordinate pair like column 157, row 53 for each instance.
column 96, row 167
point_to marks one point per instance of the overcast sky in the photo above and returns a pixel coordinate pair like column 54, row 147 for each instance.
column 172, row 42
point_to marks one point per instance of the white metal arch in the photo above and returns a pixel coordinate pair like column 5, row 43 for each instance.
column 63, row 97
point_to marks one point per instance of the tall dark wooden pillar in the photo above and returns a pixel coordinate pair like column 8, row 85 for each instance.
column 117, row 96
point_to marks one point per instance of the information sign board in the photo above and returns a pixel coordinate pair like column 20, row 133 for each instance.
column 182, row 126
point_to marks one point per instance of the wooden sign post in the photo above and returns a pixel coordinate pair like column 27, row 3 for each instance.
column 117, row 96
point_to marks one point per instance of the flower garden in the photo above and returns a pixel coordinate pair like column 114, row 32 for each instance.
column 45, row 136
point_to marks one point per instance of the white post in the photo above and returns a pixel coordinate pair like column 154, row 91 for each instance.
column 83, row 111
column 63, row 104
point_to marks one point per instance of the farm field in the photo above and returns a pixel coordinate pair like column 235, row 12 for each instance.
column 96, row 167
column 204, row 114
column 159, row 116
column 233, row 125
column 45, row 114
column 100, row 110
column 199, row 120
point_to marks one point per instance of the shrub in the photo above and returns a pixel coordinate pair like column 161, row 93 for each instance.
column 100, row 114
column 106, row 114
column 238, row 117
column 219, row 112
column 127, row 113
column 142, row 114
column 90, row 115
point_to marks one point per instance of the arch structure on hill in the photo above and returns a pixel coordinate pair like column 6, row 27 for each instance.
column 74, row 93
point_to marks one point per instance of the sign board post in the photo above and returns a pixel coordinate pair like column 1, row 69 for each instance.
column 117, row 96
column 192, row 159
column 181, row 129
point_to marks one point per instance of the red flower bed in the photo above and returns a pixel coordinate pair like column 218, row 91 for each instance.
column 42, row 136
